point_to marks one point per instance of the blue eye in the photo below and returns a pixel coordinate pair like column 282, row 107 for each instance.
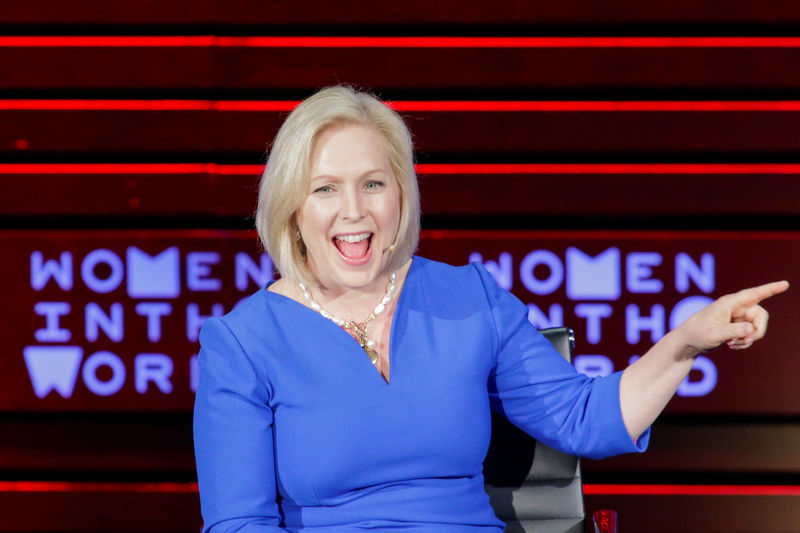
column 374, row 185
column 323, row 189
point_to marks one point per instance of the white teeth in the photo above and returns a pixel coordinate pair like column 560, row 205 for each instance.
column 353, row 238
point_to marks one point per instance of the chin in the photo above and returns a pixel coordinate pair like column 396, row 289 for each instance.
column 359, row 277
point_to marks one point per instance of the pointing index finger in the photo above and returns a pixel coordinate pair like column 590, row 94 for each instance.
column 754, row 295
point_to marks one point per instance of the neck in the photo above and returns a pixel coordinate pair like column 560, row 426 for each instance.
column 350, row 303
column 355, row 303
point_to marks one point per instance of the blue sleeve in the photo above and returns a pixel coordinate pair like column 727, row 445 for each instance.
column 233, row 438
column 541, row 393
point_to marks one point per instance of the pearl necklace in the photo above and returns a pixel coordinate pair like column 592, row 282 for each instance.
column 357, row 329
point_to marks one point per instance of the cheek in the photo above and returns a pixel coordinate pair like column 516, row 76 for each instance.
column 300, row 216
column 396, row 217
column 393, row 207
column 311, row 217
column 389, row 214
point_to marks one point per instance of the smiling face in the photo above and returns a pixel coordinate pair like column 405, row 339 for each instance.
column 351, row 213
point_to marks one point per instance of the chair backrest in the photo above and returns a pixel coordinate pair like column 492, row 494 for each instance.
column 532, row 487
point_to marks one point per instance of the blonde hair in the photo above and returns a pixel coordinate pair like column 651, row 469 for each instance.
column 284, row 184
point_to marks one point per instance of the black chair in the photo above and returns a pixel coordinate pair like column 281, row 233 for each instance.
column 532, row 487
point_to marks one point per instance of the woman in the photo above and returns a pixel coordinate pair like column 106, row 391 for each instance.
column 355, row 391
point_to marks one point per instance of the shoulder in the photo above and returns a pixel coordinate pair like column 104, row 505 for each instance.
column 248, row 338
column 249, row 308
column 466, row 285
column 438, row 271
column 464, row 277
column 250, row 318
column 473, row 289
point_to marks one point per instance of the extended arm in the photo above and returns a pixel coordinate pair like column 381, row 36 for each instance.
column 648, row 384
column 233, row 438
column 541, row 393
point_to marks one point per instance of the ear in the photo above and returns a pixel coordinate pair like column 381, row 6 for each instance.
column 294, row 231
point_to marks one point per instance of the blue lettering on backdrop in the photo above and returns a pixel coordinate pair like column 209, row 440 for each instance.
column 599, row 277
column 593, row 282
column 593, row 278
column 53, row 368
column 42, row 271
column 554, row 266
column 157, row 276
column 52, row 332
column 635, row 323
column 702, row 275
column 102, row 257
column 246, row 269
column 112, row 323
column 58, row 367
column 198, row 271
column 153, row 311
column 153, row 368
column 97, row 385
column 593, row 313
column 638, row 271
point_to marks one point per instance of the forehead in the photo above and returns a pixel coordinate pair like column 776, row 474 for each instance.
column 349, row 148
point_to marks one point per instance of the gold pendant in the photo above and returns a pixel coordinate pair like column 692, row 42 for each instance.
column 373, row 355
column 360, row 331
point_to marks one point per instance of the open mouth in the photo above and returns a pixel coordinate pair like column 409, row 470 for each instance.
column 355, row 247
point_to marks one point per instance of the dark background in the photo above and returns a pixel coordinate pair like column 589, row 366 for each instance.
column 651, row 127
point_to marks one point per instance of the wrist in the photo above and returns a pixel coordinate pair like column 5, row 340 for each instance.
column 683, row 347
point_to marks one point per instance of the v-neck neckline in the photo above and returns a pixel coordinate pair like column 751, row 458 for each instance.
column 392, row 328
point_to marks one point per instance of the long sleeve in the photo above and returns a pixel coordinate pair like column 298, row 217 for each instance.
column 233, row 438
column 538, row 391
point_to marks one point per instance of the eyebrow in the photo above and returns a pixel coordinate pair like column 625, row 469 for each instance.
column 334, row 177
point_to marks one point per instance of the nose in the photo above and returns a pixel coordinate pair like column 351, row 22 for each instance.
column 353, row 207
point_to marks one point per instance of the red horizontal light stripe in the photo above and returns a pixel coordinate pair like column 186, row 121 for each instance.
column 692, row 490
column 256, row 105
column 608, row 168
column 239, row 170
column 429, row 169
column 81, row 41
column 147, row 105
column 510, row 42
column 405, row 106
column 563, row 106
column 107, row 168
column 130, row 168
column 589, row 489
column 107, row 105
column 398, row 42
column 94, row 486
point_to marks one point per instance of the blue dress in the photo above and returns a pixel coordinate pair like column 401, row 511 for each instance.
column 295, row 429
